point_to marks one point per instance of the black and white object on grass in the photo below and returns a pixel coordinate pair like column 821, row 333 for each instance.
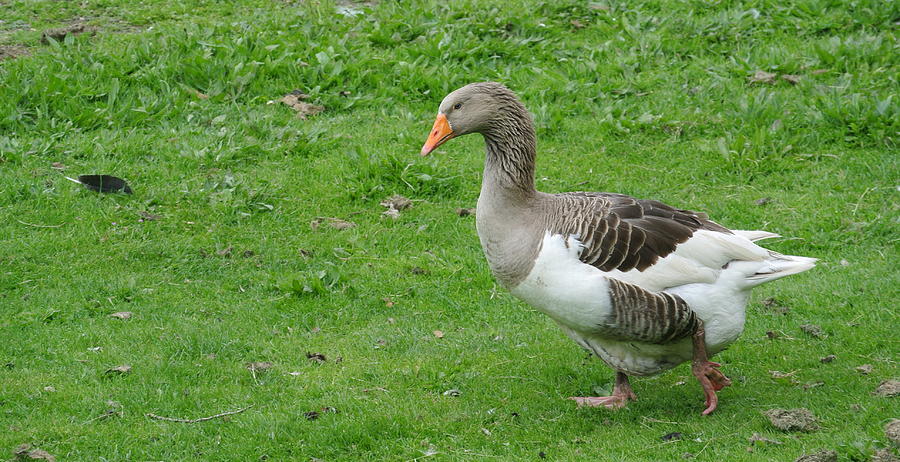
column 103, row 183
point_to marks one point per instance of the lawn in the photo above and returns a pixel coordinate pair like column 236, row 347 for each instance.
column 261, row 274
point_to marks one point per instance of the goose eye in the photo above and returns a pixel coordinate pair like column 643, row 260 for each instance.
column 457, row 105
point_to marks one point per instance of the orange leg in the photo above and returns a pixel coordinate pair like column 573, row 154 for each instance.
column 707, row 372
column 620, row 396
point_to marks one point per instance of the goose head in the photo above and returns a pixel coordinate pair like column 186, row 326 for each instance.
column 474, row 108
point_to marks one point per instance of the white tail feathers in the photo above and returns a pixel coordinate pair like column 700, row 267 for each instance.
column 755, row 235
column 779, row 266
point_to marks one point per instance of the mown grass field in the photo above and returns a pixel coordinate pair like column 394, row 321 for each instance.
column 216, row 257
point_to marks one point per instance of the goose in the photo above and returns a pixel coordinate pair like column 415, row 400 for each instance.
column 640, row 284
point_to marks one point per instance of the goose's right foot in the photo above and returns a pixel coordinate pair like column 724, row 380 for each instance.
column 707, row 372
column 622, row 393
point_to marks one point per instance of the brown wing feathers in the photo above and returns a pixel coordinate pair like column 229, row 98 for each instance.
column 644, row 316
column 691, row 219
column 621, row 232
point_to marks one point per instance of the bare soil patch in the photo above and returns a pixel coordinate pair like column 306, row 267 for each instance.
column 13, row 51
column 791, row 420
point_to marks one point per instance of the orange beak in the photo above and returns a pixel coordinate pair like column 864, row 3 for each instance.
column 440, row 133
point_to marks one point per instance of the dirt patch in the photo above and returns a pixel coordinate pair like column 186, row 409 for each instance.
column 147, row 216
column 25, row 452
column 674, row 436
column 888, row 388
column 791, row 420
column 397, row 201
column 892, row 431
column 395, row 204
column 294, row 100
column 73, row 26
column 313, row 415
column 119, row 370
column 757, row 438
column 13, row 51
column 772, row 303
column 762, row 77
column 60, row 34
column 769, row 78
column 259, row 366
column 824, row 455
column 335, row 223
column 791, row 78
column 865, row 369
column 813, row 330
column 884, row 455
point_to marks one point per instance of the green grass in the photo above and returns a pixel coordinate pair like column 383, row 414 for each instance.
column 649, row 98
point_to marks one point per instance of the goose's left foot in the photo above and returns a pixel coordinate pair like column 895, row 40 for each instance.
column 621, row 394
column 716, row 377
column 712, row 380
column 707, row 372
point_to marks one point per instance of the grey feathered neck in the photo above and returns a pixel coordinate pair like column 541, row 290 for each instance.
column 510, row 141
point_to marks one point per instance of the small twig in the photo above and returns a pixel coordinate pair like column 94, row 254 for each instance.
column 38, row 226
column 887, row 360
column 652, row 420
column 515, row 377
column 106, row 414
column 783, row 375
column 468, row 452
column 704, row 448
column 427, row 455
column 859, row 201
column 367, row 390
column 172, row 419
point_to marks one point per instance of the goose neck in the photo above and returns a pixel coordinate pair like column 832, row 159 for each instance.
column 509, row 163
